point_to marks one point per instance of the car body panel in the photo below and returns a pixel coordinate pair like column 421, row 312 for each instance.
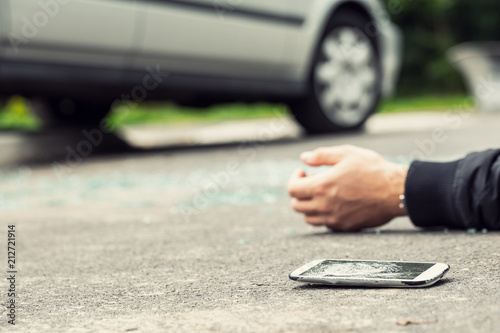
column 4, row 24
column 72, row 32
column 205, row 38
column 232, row 47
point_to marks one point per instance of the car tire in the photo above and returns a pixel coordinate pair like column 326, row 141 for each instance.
column 345, row 78
column 73, row 113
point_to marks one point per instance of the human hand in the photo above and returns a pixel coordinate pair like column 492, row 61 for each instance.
column 361, row 190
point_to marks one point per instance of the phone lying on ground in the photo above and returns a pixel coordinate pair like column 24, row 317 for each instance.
column 366, row 273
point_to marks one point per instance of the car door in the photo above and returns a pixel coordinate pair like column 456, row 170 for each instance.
column 244, row 38
column 75, row 32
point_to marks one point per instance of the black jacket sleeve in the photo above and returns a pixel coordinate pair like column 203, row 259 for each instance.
column 459, row 194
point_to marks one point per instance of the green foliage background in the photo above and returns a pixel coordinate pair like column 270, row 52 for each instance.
column 430, row 28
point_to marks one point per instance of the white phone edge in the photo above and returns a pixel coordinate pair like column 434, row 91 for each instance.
column 427, row 278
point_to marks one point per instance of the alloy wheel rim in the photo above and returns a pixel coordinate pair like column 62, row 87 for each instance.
column 345, row 76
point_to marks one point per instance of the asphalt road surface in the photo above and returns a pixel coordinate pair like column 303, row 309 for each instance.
column 199, row 236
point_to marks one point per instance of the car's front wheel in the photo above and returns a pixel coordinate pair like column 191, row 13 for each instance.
column 345, row 78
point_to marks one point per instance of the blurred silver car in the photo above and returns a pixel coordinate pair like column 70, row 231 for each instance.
column 329, row 60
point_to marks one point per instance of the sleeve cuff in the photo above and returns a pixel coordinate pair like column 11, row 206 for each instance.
column 428, row 192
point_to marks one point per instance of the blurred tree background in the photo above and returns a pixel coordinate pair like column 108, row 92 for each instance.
column 430, row 28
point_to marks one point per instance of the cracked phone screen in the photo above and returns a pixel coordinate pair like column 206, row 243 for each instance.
column 367, row 269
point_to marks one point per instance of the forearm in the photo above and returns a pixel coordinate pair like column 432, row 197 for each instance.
column 460, row 194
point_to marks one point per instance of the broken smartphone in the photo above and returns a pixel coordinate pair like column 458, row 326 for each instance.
column 366, row 273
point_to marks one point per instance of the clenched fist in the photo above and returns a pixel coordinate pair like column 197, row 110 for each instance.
column 360, row 190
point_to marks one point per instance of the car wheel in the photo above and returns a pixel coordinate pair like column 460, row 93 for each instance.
column 345, row 78
column 76, row 113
